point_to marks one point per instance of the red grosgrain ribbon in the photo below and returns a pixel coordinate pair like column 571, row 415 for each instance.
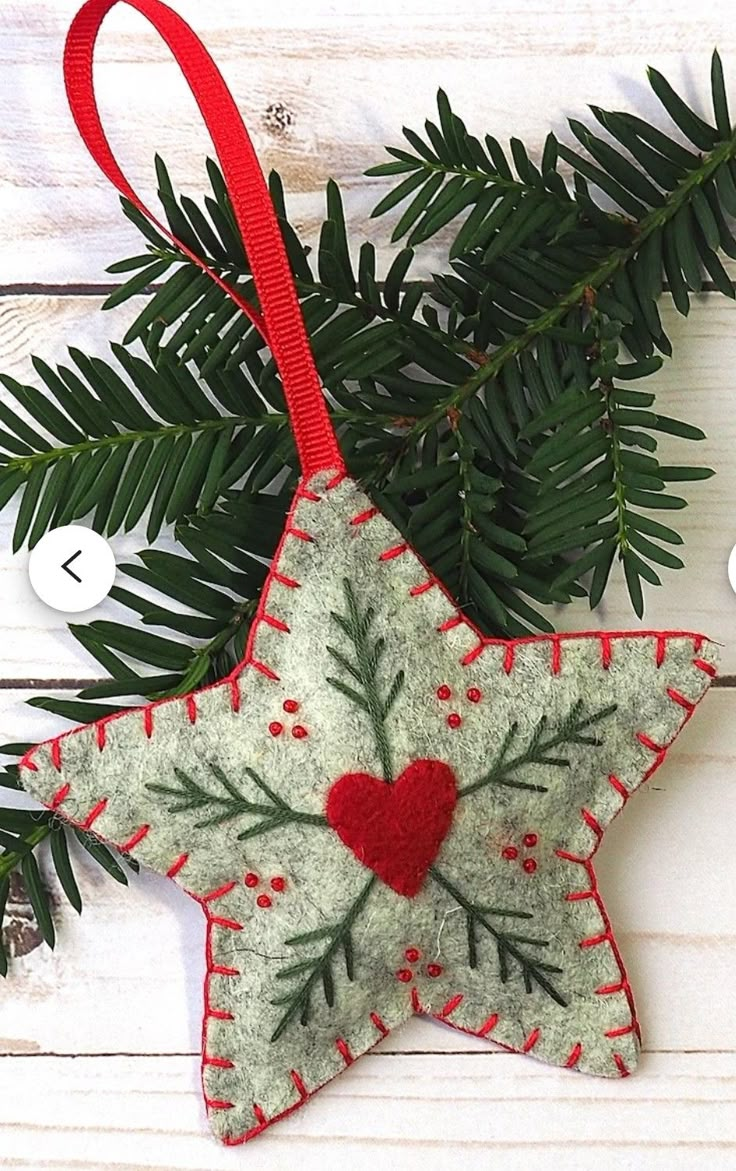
column 281, row 323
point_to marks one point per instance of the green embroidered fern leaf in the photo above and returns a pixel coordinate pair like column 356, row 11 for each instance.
column 509, row 947
column 231, row 803
column 572, row 729
column 318, row 970
column 356, row 625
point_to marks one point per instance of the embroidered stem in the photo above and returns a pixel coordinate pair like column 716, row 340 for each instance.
column 319, row 968
column 231, row 803
column 364, row 671
column 508, row 946
column 570, row 731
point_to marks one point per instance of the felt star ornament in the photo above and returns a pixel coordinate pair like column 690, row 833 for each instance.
column 380, row 811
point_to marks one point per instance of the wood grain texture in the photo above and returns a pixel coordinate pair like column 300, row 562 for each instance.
column 669, row 885
column 400, row 1111
column 321, row 96
column 99, row 1040
column 693, row 385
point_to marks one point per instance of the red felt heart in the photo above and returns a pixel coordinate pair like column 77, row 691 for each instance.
column 395, row 830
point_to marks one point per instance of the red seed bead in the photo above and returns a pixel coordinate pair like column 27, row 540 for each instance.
column 454, row 719
column 404, row 975
column 509, row 853
column 474, row 694
column 251, row 879
column 299, row 732
column 530, row 840
column 291, row 706
column 434, row 970
column 264, row 901
column 275, row 728
column 413, row 954
column 278, row 884
column 529, row 865
column 444, row 692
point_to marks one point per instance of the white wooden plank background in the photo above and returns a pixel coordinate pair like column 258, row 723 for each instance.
column 98, row 1041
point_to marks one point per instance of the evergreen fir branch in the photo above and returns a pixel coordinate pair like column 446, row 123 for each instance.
column 350, row 314
column 541, row 280
column 573, row 729
column 120, row 456
column 228, row 802
column 504, row 550
column 23, row 833
column 217, row 584
column 509, row 946
column 368, row 652
column 318, row 970
column 592, row 508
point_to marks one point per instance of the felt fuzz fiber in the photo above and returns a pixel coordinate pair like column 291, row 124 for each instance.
column 382, row 813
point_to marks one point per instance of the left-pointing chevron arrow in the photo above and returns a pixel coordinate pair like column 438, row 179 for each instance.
column 67, row 563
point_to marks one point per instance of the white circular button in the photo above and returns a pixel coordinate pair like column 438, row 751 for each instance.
column 72, row 568
column 732, row 568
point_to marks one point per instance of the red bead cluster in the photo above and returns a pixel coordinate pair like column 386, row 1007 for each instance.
column 444, row 692
column 277, row 884
column 298, row 731
column 413, row 955
column 511, row 853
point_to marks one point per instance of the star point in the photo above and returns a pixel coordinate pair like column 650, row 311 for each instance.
column 382, row 812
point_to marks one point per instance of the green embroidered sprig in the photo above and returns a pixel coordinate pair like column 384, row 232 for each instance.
column 508, row 946
column 318, row 969
column 231, row 803
column 364, row 671
column 571, row 730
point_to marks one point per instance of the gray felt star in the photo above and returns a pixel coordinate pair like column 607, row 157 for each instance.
column 381, row 813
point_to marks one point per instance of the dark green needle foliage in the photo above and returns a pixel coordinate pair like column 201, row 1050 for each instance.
column 501, row 414
column 22, row 832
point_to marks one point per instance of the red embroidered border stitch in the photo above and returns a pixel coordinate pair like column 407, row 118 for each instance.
column 175, row 867
column 379, row 1024
column 593, row 824
column 556, row 655
column 303, row 492
column 707, row 667
column 60, row 796
column 394, row 551
column 604, row 638
column 304, row 1095
column 620, row 788
column 213, row 969
column 488, row 1025
column 606, row 936
column 367, row 514
column 94, row 813
column 531, row 1040
column 450, row 1007
column 605, row 652
column 137, row 837
column 99, row 727
column 261, row 615
column 300, row 534
column 574, row 1057
column 344, row 1050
